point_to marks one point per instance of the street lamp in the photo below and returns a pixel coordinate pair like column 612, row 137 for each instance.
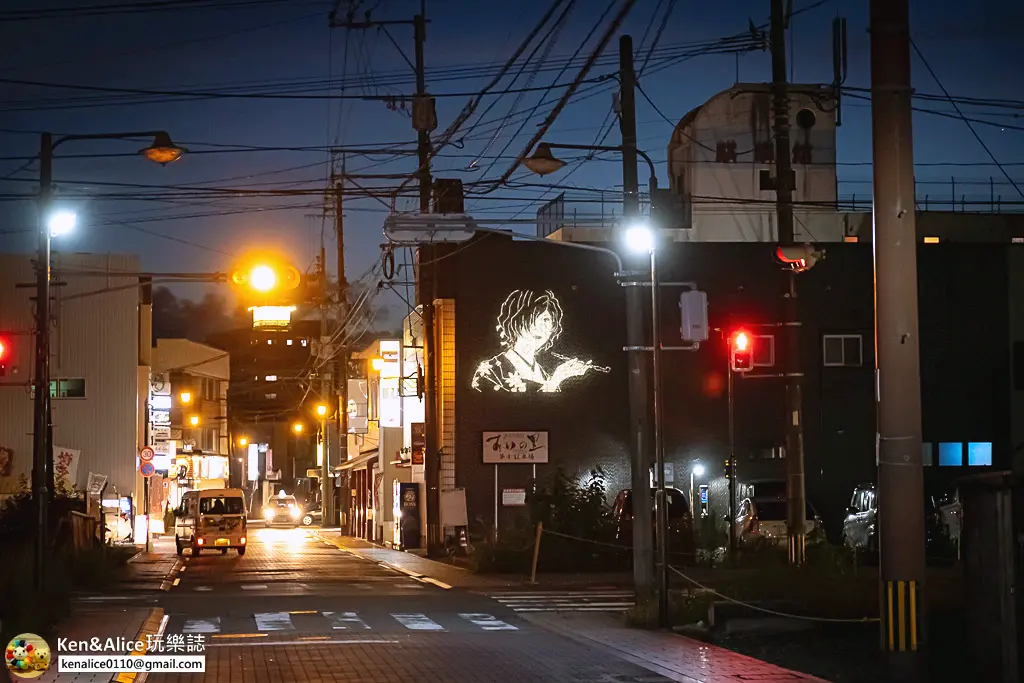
column 696, row 472
column 194, row 420
column 297, row 427
column 185, row 397
column 243, row 442
column 61, row 223
column 163, row 151
column 262, row 278
column 321, row 410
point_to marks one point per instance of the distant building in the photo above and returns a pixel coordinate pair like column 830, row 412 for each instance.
column 95, row 381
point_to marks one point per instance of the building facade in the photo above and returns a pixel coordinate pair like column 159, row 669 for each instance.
column 95, row 341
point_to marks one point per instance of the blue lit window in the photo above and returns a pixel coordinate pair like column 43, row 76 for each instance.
column 951, row 454
column 979, row 453
column 927, row 454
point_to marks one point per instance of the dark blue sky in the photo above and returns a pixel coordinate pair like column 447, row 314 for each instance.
column 273, row 47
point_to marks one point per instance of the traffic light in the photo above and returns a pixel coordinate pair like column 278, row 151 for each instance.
column 741, row 351
column 4, row 351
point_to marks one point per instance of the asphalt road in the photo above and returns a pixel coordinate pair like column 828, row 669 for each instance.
column 297, row 609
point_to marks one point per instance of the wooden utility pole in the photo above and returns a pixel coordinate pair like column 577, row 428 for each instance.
column 784, row 186
column 901, row 529
column 340, row 394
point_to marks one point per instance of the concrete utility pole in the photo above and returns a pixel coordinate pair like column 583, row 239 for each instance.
column 784, row 185
column 640, row 431
column 42, row 450
column 338, row 397
column 897, row 355
column 326, row 493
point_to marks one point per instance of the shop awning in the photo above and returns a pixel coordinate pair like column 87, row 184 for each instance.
column 357, row 462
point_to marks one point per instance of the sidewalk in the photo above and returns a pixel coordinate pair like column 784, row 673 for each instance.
column 676, row 657
column 153, row 570
column 132, row 623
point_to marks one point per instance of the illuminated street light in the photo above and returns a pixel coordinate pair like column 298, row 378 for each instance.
column 321, row 410
column 297, row 427
column 162, row 151
column 194, row 420
column 698, row 470
column 262, row 278
column 243, row 441
column 640, row 238
column 61, row 223
column 186, row 397
column 377, row 364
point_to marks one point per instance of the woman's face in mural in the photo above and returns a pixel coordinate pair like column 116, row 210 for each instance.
column 542, row 329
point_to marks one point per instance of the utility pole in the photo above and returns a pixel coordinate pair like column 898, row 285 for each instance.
column 42, row 451
column 897, row 354
column 784, row 185
column 639, row 392
column 326, row 390
column 341, row 359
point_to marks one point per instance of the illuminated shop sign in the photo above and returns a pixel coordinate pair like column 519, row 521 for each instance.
column 529, row 326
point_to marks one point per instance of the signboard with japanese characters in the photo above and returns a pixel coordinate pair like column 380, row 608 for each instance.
column 160, row 417
column 515, row 447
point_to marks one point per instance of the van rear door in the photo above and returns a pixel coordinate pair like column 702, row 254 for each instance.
column 222, row 520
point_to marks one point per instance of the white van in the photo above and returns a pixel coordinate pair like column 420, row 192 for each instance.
column 213, row 519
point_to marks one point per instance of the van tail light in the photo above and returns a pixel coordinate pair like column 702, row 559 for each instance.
column 199, row 542
column 242, row 541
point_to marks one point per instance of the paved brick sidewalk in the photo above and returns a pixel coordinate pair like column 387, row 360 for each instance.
column 84, row 624
column 681, row 659
column 152, row 570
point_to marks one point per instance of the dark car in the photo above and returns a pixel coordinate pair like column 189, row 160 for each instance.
column 860, row 526
column 680, row 523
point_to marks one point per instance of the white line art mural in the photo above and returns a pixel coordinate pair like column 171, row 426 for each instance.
column 528, row 325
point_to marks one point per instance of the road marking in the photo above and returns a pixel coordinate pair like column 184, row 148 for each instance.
column 304, row 611
column 176, row 582
column 341, row 621
column 254, row 587
column 211, row 625
column 440, row 584
column 417, row 622
column 274, row 621
column 241, row 635
column 488, row 622
column 618, row 608
column 204, row 588
column 308, row 643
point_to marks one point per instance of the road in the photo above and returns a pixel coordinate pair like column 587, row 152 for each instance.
column 295, row 608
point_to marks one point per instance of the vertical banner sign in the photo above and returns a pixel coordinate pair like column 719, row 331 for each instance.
column 419, row 442
column 65, row 467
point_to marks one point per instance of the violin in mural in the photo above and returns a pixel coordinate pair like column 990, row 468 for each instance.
column 529, row 325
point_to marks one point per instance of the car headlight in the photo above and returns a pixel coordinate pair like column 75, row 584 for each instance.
column 268, row 514
column 296, row 513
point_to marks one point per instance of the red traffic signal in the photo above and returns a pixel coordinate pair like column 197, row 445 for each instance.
column 741, row 351
column 5, row 347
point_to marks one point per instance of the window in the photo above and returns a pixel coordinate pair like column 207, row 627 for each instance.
column 951, row 454
column 270, row 397
column 927, row 454
column 843, row 350
column 222, row 505
column 67, row 388
column 979, row 453
column 270, row 341
column 305, row 342
column 288, row 342
column 271, row 378
column 764, row 350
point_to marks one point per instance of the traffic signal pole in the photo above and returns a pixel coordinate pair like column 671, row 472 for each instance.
column 639, row 392
column 897, row 356
column 795, row 494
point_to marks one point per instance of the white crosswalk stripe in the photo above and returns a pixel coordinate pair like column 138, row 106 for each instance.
column 209, row 625
column 417, row 622
column 345, row 620
column 566, row 601
column 488, row 623
column 274, row 621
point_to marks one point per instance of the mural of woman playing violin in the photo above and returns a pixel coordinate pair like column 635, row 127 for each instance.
column 528, row 325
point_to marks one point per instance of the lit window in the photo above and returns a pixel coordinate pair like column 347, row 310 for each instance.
column 289, row 342
column 931, row 240
column 270, row 397
column 979, row 453
column 951, row 454
column 271, row 378
column 270, row 341
column 927, row 454
column 304, row 342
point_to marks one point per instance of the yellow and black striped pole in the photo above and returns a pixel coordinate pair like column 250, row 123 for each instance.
column 900, row 616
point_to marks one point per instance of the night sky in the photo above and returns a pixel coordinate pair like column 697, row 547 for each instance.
column 273, row 47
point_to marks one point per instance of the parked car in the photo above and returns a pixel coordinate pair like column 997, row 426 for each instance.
column 680, row 523
column 282, row 509
column 860, row 527
column 761, row 519
column 311, row 516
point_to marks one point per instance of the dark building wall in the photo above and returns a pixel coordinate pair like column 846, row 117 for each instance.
column 965, row 361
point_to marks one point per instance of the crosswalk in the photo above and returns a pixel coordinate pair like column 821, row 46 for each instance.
column 313, row 621
column 610, row 600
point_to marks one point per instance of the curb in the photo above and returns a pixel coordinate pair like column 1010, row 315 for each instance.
column 171, row 576
column 154, row 625
column 422, row 578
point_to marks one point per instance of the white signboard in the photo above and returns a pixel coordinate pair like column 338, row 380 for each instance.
column 160, row 433
column 511, row 447
column 160, row 417
column 159, row 385
column 65, row 467
column 160, row 402
column 513, row 497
